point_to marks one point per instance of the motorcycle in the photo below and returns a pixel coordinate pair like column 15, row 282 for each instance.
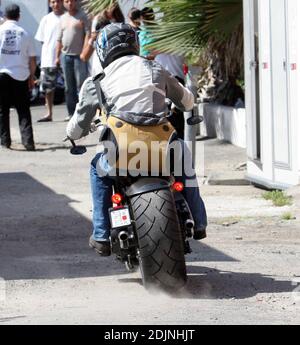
column 151, row 223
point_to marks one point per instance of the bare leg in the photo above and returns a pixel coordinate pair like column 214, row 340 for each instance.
column 49, row 105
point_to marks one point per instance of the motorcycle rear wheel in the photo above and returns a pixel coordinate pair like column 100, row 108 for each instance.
column 161, row 247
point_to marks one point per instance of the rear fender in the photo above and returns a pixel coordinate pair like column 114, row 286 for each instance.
column 147, row 185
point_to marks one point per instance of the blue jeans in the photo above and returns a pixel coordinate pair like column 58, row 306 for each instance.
column 102, row 192
column 75, row 73
column 191, row 191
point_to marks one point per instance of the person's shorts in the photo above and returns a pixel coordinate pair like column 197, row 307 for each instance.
column 48, row 79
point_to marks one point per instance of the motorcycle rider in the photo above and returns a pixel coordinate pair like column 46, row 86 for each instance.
column 135, row 90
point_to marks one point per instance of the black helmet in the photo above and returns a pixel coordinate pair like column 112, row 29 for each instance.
column 116, row 40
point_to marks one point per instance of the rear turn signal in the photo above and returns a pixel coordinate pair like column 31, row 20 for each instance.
column 178, row 186
column 117, row 199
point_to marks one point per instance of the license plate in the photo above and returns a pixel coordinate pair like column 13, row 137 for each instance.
column 120, row 218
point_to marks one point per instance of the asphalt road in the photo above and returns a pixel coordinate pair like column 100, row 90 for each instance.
column 246, row 272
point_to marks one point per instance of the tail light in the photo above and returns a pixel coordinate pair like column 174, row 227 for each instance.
column 178, row 186
column 117, row 199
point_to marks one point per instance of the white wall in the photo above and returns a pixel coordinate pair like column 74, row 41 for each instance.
column 224, row 123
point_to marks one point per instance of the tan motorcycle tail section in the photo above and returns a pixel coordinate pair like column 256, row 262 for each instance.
column 141, row 148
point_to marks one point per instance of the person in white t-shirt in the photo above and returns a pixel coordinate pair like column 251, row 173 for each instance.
column 17, row 68
column 47, row 34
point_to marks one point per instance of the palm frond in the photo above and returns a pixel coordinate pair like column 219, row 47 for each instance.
column 185, row 26
column 96, row 6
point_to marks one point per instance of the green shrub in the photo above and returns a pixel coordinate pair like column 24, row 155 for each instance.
column 278, row 198
column 288, row 216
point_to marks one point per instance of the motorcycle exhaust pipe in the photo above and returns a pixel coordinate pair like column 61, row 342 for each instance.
column 123, row 238
column 189, row 224
column 189, row 227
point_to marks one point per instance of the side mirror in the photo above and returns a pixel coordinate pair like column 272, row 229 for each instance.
column 194, row 120
column 78, row 150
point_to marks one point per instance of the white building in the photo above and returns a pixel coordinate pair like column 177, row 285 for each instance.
column 272, row 73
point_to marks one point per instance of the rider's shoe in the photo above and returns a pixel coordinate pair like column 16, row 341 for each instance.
column 102, row 248
column 200, row 234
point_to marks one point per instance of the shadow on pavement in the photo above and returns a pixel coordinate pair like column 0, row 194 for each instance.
column 203, row 252
column 42, row 236
column 208, row 283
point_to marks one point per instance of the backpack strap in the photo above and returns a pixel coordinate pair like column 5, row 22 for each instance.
column 100, row 94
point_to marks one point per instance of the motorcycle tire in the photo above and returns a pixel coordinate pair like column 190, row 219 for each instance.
column 161, row 247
